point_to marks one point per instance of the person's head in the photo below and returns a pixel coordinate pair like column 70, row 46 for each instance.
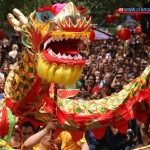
column 91, row 80
column 138, row 123
column 136, row 68
column 104, row 61
column 83, row 92
column 97, row 79
column 106, row 90
column 5, row 68
column 97, row 73
column 118, row 87
column 108, row 56
column 119, row 77
column 127, row 69
column 14, row 47
column 93, row 68
column 127, row 61
column 121, row 70
column 46, row 140
column 6, row 42
column 103, row 52
column 81, row 78
column 14, row 142
column 93, row 58
column 120, row 52
column 27, row 129
column 130, row 134
column 132, row 77
column 107, row 68
column 2, row 82
column 108, row 78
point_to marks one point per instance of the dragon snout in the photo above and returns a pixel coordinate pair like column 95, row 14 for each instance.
column 70, row 19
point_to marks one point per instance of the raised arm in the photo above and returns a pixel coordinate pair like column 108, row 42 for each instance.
column 34, row 139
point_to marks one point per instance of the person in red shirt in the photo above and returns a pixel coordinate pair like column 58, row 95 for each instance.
column 92, row 87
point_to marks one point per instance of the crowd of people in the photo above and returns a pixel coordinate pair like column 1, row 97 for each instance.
column 110, row 64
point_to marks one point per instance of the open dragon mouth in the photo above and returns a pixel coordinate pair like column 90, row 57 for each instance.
column 64, row 51
column 60, row 60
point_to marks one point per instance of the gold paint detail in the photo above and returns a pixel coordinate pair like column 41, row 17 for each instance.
column 18, row 83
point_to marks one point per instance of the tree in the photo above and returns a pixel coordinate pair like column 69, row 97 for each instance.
column 98, row 9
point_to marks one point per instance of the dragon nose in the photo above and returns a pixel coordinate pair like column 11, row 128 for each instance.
column 70, row 19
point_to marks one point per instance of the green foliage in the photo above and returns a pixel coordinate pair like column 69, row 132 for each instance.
column 98, row 9
column 113, row 30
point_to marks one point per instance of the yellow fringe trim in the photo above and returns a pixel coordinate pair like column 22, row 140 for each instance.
column 63, row 74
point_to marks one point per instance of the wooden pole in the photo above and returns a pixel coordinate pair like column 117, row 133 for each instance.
column 54, row 114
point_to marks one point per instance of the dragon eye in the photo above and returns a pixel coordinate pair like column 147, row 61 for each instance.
column 44, row 16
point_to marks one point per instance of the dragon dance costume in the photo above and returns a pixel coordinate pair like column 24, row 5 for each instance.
column 53, row 37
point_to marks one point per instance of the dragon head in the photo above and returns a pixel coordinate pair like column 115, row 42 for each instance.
column 55, row 34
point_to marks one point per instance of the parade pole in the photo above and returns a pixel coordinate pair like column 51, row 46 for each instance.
column 54, row 115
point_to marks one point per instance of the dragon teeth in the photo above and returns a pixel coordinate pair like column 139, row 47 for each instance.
column 49, row 40
column 64, row 56
column 85, row 41
column 51, row 52
column 70, row 57
column 46, row 43
column 75, row 57
column 59, row 55
column 79, row 56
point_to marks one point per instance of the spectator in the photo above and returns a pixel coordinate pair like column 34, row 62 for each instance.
column 107, row 68
column 127, row 70
column 14, row 54
column 112, row 140
column 14, row 142
column 136, row 69
column 2, row 55
column 144, row 129
column 105, row 90
column 93, row 59
column 5, row 69
column 119, row 78
column 118, row 87
column 119, row 55
column 129, row 143
column 6, row 45
column 2, row 82
column 102, row 54
column 108, row 78
column 98, row 80
column 93, row 89
column 121, row 70
column 97, row 73
column 135, row 126
column 83, row 94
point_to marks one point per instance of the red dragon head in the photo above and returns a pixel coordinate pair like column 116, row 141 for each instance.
column 55, row 35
